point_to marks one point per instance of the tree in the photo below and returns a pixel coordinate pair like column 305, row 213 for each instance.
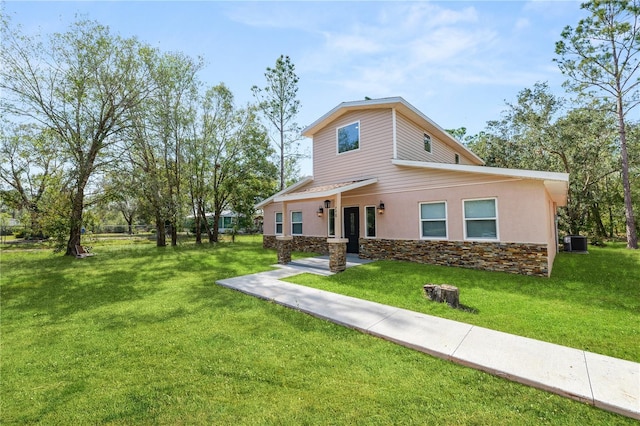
column 81, row 85
column 279, row 105
column 31, row 166
column 230, row 159
column 601, row 56
column 157, row 136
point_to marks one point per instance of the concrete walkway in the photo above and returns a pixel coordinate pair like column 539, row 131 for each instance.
column 608, row 383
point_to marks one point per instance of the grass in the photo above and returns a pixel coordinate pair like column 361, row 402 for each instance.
column 591, row 302
column 141, row 335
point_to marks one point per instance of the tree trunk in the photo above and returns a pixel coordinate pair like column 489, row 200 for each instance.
column 611, row 224
column 632, row 237
column 197, row 224
column 597, row 220
column 281, row 156
column 75, row 233
column 174, row 233
column 215, row 230
column 161, row 240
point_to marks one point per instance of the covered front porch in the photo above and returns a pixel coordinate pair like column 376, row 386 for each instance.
column 341, row 233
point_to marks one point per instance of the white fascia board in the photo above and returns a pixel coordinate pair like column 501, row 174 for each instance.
column 293, row 187
column 324, row 194
column 498, row 171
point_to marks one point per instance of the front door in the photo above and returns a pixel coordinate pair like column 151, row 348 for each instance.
column 352, row 228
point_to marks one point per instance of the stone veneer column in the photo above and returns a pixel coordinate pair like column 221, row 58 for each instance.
column 337, row 254
column 284, row 245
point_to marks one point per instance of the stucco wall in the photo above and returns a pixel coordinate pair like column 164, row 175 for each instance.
column 523, row 211
column 312, row 225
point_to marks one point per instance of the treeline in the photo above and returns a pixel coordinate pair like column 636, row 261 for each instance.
column 596, row 138
column 92, row 119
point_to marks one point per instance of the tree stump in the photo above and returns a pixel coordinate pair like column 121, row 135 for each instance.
column 450, row 295
column 443, row 293
column 433, row 292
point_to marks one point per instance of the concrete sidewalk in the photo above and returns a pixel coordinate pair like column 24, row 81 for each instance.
column 608, row 383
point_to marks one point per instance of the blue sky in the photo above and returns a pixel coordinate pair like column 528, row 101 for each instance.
column 456, row 61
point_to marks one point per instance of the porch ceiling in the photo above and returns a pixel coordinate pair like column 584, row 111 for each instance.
column 324, row 191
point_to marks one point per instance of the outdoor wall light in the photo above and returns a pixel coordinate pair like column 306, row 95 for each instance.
column 327, row 204
column 381, row 208
column 320, row 211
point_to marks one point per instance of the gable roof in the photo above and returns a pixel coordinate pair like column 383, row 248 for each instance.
column 402, row 106
column 557, row 184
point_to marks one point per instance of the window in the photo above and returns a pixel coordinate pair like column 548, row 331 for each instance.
column 481, row 219
column 225, row 222
column 427, row 142
column 278, row 223
column 349, row 137
column 296, row 223
column 370, row 221
column 332, row 223
column 433, row 220
column 456, row 159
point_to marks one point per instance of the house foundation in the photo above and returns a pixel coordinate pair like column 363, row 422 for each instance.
column 299, row 243
column 518, row 258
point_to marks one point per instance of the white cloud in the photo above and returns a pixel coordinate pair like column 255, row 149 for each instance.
column 522, row 23
column 415, row 45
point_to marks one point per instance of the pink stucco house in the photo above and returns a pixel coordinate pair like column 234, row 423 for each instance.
column 389, row 183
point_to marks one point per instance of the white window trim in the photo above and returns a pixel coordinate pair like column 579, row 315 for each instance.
column 430, row 151
column 338, row 140
column 301, row 222
column 275, row 228
column 446, row 221
column 464, row 220
column 366, row 224
column 329, row 234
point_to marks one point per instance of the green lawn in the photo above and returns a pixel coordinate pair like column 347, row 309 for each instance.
column 590, row 302
column 141, row 335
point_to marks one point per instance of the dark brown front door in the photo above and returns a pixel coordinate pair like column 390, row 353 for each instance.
column 352, row 228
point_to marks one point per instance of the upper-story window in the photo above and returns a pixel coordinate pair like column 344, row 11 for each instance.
column 349, row 137
column 427, row 142
column 456, row 158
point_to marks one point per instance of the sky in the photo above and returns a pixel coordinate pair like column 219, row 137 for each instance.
column 458, row 62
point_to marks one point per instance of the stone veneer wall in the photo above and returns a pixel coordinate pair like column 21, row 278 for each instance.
column 300, row 243
column 519, row 258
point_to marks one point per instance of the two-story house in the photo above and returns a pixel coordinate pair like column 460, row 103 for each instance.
column 392, row 184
